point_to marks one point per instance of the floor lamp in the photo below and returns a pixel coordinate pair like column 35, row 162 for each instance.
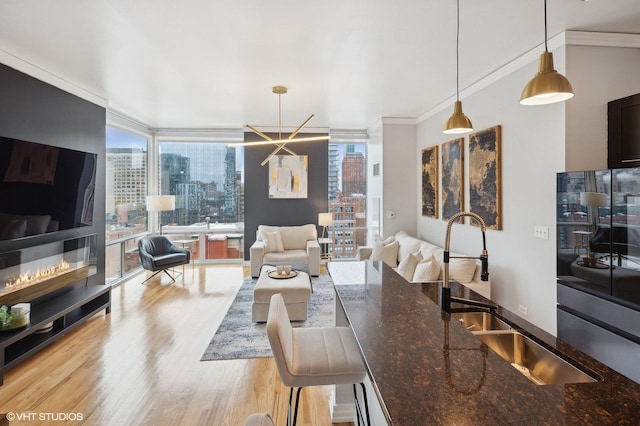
column 324, row 220
column 161, row 203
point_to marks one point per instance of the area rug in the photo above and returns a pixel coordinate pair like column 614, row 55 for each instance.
column 238, row 337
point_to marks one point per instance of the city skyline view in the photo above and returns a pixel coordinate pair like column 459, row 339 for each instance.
column 207, row 180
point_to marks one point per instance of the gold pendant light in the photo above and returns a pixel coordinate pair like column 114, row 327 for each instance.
column 548, row 86
column 458, row 122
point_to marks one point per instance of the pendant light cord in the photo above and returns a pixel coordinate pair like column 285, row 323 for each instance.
column 280, row 116
column 545, row 26
column 457, row 51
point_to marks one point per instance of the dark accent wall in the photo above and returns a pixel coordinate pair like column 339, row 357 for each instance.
column 259, row 209
column 35, row 111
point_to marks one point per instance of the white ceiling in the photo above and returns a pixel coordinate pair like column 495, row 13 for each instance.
column 212, row 63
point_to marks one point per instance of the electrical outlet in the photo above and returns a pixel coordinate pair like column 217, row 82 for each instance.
column 522, row 309
column 541, row 232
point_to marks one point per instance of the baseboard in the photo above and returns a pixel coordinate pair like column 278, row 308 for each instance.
column 341, row 413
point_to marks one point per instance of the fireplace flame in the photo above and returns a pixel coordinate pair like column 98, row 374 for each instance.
column 39, row 275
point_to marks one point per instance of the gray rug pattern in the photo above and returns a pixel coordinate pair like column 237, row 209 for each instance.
column 239, row 338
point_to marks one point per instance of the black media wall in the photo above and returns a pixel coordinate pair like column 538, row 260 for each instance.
column 261, row 210
column 35, row 111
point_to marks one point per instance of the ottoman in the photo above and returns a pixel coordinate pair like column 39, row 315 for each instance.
column 295, row 291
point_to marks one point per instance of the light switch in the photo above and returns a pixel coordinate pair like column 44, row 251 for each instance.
column 541, row 232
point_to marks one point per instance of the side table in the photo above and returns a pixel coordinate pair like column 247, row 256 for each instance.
column 184, row 243
column 581, row 242
column 324, row 249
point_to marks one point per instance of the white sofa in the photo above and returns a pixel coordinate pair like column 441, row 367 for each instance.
column 286, row 245
column 412, row 259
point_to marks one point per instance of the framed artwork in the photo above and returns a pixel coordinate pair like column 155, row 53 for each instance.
column 288, row 176
column 430, row 182
column 452, row 178
column 485, row 183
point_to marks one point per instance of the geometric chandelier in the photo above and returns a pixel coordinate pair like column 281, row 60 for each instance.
column 281, row 143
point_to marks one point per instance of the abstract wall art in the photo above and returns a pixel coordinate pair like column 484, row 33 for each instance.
column 485, row 184
column 288, row 175
column 430, row 182
column 452, row 178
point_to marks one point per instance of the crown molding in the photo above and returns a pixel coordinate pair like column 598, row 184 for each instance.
column 41, row 74
column 585, row 38
column 123, row 121
column 402, row 121
column 566, row 38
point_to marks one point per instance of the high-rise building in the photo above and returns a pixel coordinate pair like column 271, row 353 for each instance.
column 189, row 200
column 240, row 197
column 206, row 160
column 127, row 169
column 354, row 180
column 229, row 211
column 334, row 171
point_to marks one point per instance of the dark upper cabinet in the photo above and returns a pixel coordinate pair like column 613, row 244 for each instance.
column 624, row 132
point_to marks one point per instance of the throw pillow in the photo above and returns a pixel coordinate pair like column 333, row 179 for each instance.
column 461, row 270
column 386, row 253
column 273, row 242
column 407, row 266
column 389, row 240
column 427, row 270
column 14, row 228
column 37, row 225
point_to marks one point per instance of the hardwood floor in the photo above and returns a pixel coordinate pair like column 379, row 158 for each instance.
column 140, row 364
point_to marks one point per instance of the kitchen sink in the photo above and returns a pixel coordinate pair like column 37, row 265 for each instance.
column 480, row 321
column 537, row 363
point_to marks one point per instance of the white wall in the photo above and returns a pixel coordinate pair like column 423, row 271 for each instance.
column 392, row 143
column 400, row 176
column 374, row 183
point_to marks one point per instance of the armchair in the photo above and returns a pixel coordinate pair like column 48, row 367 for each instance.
column 286, row 245
column 621, row 240
column 158, row 253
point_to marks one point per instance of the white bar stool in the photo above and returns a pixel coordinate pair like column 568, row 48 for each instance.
column 259, row 419
column 314, row 356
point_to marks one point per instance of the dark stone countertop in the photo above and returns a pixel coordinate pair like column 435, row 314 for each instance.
column 400, row 328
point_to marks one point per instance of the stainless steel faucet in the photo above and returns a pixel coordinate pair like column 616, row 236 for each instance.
column 446, row 298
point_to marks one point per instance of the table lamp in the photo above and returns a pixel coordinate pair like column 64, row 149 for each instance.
column 595, row 199
column 161, row 203
column 324, row 220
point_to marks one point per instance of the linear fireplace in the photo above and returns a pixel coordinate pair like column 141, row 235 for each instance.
column 55, row 279
column 37, row 271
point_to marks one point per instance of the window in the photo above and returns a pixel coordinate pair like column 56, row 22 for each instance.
column 126, row 183
column 126, row 189
column 206, row 179
column 347, row 197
